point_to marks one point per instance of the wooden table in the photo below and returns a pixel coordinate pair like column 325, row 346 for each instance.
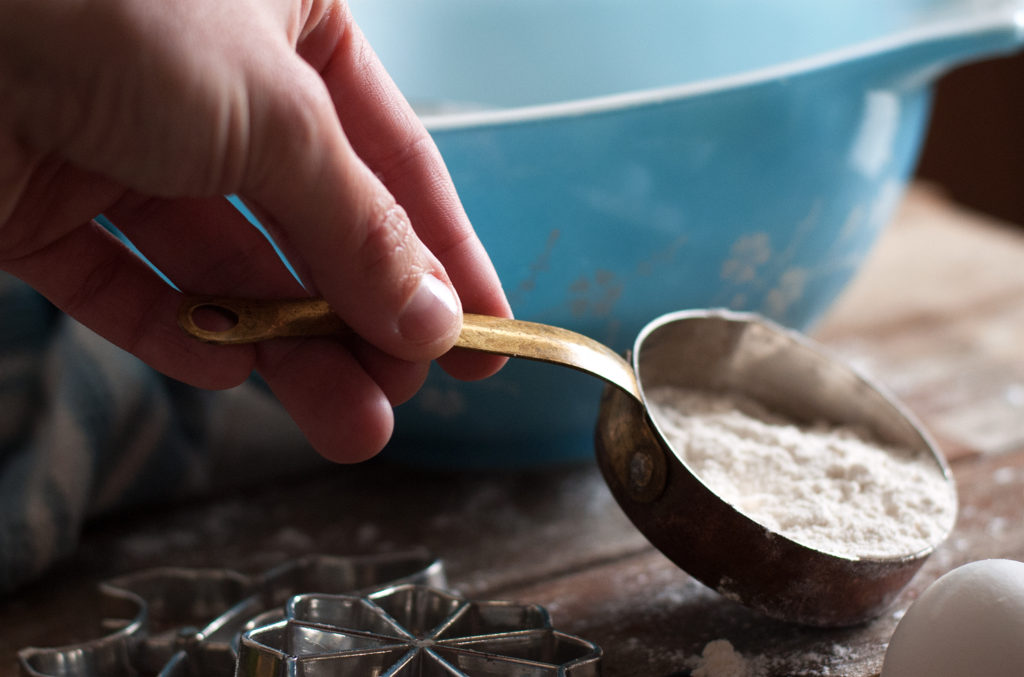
column 937, row 315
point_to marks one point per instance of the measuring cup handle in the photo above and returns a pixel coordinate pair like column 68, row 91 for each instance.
column 257, row 320
column 249, row 321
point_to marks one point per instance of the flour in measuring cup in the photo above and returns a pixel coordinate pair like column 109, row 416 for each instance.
column 827, row 487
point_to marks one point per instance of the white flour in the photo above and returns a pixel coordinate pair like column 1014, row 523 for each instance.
column 720, row 659
column 823, row 486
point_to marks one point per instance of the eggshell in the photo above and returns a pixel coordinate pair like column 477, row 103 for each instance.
column 968, row 622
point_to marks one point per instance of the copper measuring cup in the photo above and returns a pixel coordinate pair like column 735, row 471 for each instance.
column 717, row 350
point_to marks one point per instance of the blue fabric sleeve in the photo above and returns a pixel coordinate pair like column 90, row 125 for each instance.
column 86, row 429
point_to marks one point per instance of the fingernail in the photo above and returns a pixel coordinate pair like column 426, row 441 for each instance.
column 431, row 312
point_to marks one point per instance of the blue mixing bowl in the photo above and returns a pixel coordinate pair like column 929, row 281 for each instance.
column 621, row 160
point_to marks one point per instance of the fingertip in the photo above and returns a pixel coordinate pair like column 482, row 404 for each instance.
column 467, row 365
column 399, row 379
column 341, row 411
column 346, row 444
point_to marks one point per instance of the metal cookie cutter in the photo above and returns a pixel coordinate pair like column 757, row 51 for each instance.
column 181, row 622
column 111, row 654
column 413, row 631
column 191, row 611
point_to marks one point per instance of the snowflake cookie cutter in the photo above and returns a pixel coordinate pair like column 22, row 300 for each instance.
column 184, row 622
column 413, row 630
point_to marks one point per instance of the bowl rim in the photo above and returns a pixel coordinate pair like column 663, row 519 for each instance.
column 1006, row 18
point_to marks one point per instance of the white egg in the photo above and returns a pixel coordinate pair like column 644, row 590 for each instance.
column 970, row 622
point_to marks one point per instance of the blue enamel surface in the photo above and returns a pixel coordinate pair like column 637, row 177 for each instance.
column 764, row 194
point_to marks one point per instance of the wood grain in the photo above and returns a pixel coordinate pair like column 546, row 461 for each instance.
column 937, row 315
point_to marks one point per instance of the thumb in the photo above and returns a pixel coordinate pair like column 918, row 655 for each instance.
column 347, row 235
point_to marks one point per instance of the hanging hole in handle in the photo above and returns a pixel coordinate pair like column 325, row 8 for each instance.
column 213, row 321
column 228, row 321
column 213, row 318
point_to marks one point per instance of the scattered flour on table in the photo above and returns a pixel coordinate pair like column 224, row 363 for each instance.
column 827, row 487
column 720, row 659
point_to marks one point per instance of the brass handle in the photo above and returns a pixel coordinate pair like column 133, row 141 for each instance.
column 256, row 320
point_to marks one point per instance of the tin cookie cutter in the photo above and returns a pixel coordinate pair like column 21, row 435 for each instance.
column 320, row 614
column 176, row 621
column 413, row 631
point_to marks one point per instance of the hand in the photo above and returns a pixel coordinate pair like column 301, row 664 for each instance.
column 150, row 112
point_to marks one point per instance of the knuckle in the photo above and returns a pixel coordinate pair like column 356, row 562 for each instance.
column 284, row 126
column 26, row 204
column 99, row 279
column 407, row 160
column 388, row 241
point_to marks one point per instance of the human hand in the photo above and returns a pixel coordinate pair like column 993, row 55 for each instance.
column 150, row 112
